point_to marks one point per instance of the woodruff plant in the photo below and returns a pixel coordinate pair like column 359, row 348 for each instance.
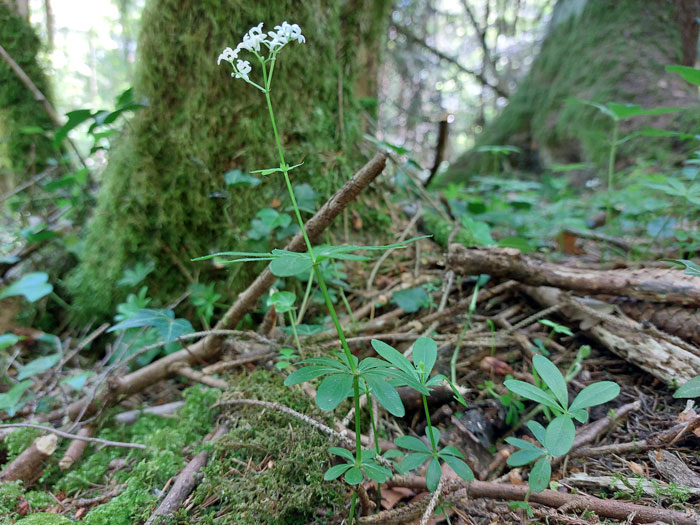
column 558, row 437
column 343, row 374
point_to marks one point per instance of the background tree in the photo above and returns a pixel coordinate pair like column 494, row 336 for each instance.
column 595, row 50
column 163, row 196
column 22, row 150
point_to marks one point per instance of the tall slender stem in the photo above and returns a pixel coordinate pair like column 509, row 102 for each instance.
column 317, row 271
column 611, row 170
column 283, row 165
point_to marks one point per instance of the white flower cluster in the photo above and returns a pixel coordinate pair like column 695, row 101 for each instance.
column 252, row 40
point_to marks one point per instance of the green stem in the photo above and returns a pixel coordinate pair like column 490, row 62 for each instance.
column 611, row 170
column 307, row 294
column 319, row 277
column 283, row 165
column 430, row 426
column 358, row 435
column 376, row 445
column 293, row 322
column 352, row 507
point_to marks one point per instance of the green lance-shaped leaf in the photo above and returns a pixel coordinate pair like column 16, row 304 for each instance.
column 537, row 430
column 689, row 74
column 559, row 437
column 38, row 366
column 460, row 467
column 595, row 394
column 282, row 301
column 540, row 475
column 532, row 393
column 553, row 378
column 425, row 351
column 307, row 373
column 353, row 476
column 10, row 399
column 413, row 461
column 163, row 321
column 386, row 394
column 336, row 471
column 395, row 357
column 333, row 390
column 527, row 453
column 411, row 443
column 287, row 264
column 689, row 389
column 432, row 475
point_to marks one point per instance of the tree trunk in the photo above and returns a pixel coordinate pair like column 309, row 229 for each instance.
column 602, row 51
column 22, row 152
column 163, row 196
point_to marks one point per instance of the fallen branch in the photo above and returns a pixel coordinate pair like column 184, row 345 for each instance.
column 658, row 440
column 605, row 508
column 66, row 435
column 662, row 357
column 185, row 481
column 199, row 377
column 29, row 465
column 652, row 488
column 130, row 417
column 76, row 448
column 647, row 284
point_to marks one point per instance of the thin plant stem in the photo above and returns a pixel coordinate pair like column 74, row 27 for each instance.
column 430, row 426
column 292, row 320
column 611, row 170
column 319, row 277
column 352, row 507
column 307, row 295
column 283, row 165
column 358, row 436
column 376, row 444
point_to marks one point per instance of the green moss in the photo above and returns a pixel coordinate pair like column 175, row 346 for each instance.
column 595, row 56
column 15, row 442
column 163, row 195
column 289, row 458
column 169, row 440
column 18, row 109
column 10, row 494
column 45, row 518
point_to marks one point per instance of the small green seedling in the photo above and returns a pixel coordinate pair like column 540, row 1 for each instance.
column 556, row 328
column 285, row 359
column 558, row 437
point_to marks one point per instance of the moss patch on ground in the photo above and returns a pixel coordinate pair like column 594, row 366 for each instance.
column 594, row 56
column 171, row 442
column 283, row 483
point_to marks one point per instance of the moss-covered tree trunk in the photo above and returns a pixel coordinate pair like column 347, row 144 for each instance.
column 163, row 197
column 596, row 50
column 23, row 151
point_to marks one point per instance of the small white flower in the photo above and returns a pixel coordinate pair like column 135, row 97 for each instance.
column 278, row 40
column 242, row 69
column 228, row 54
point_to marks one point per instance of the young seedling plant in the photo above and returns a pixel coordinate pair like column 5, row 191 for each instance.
column 557, row 438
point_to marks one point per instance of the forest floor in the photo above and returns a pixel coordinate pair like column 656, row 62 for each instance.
column 218, row 438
